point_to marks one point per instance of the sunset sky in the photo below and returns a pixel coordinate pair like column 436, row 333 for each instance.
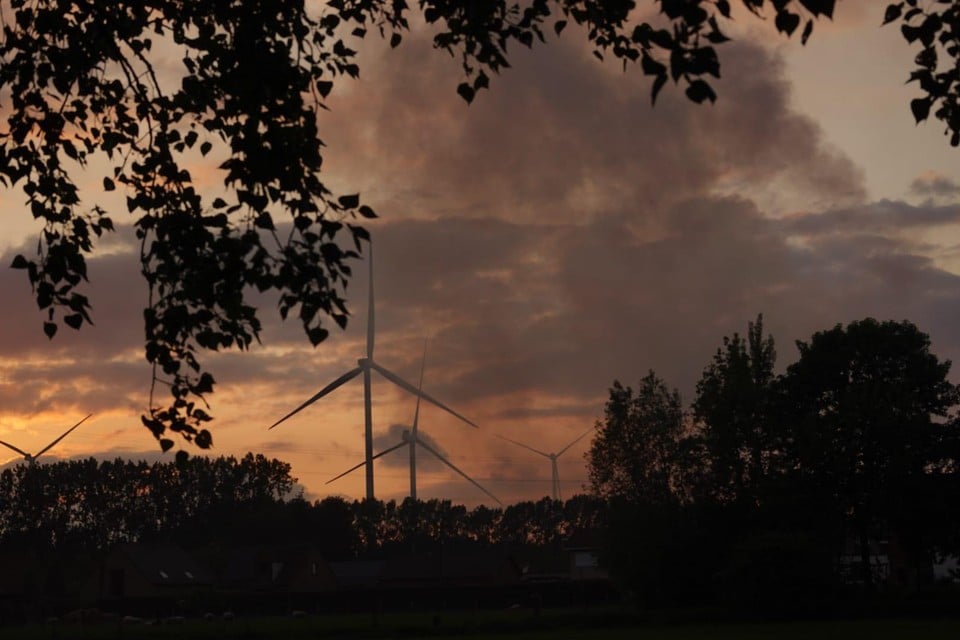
column 554, row 236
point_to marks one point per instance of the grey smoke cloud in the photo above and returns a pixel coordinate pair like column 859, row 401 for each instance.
column 554, row 236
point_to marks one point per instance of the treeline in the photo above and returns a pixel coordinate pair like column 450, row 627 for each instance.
column 88, row 506
column 838, row 476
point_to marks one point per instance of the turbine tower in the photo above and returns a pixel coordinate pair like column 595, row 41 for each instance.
column 32, row 458
column 555, row 472
column 366, row 366
column 410, row 439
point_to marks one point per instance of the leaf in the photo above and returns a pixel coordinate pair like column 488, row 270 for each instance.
column 787, row 22
column 166, row 444
column 350, row 201
column 50, row 328
column 892, row 13
column 204, row 440
column 204, row 384
column 698, row 91
column 819, row 7
column 395, row 40
column 367, row 212
column 19, row 262
column 807, row 30
column 910, row 33
column 657, row 86
column 466, row 92
column 74, row 320
column 316, row 335
column 108, row 184
column 651, row 67
column 205, row 148
column 920, row 108
column 559, row 26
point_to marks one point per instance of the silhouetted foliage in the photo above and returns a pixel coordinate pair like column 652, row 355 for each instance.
column 733, row 410
column 636, row 455
column 84, row 504
column 84, row 80
column 867, row 404
column 854, row 445
column 80, row 506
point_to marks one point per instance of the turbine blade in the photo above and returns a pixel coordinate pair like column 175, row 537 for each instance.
column 452, row 466
column 62, row 436
column 520, row 444
column 349, row 375
column 347, row 472
column 370, row 312
column 416, row 412
column 403, row 384
column 17, row 449
column 357, row 466
column 582, row 435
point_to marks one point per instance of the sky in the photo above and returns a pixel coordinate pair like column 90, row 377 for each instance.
column 554, row 236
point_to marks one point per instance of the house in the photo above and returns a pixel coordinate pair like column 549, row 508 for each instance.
column 137, row 570
column 582, row 548
column 272, row 569
column 451, row 569
column 356, row 574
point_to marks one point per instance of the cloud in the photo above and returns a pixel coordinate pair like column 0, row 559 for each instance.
column 562, row 139
column 394, row 435
column 934, row 185
column 554, row 236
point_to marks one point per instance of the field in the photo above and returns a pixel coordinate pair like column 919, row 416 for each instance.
column 510, row 625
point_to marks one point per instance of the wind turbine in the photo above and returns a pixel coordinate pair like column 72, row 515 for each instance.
column 555, row 481
column 366, row 366
column 32, row 458
column 410, row 439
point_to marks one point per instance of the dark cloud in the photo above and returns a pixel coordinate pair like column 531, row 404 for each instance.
column 885, row 216
column 934, row 185
column 561, row 139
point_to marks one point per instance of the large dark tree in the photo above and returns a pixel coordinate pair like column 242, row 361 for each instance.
column 868, row 403
column 636, row 454
column 658, row 543
column 81, row 79
column 733, row 409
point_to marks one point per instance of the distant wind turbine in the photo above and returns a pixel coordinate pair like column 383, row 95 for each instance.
column 366, row 366
column 32, row 458
column 410, row 439
column 555, row 482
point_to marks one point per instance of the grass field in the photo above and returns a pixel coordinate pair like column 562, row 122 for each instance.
column 512, row 625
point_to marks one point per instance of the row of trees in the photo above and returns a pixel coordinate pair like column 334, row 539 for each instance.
column 754, row 491
column 87, row 506
column 767, row 478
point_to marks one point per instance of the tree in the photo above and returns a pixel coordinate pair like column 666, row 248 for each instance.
column 635, row 453
column 733, row 409
column 869, row 402
column 83, row 81
column 657, row 542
